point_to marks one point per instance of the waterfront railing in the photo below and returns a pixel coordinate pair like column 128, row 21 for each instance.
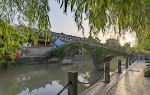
column 73, row 81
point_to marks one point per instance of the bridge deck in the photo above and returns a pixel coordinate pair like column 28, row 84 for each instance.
column 130, row 82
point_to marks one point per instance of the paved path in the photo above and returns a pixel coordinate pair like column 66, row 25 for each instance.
column 130, row 82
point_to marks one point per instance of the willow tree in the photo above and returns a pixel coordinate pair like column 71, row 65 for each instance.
column 122, row 15
column 28, row 13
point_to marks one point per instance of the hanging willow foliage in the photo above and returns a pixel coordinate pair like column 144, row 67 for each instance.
column 10, row 39
column 28, row 14
column 133, row 15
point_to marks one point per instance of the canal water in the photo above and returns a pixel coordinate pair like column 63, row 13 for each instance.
column 45, row 79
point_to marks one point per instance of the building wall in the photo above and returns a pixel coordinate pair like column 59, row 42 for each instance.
column 64, row 37
column 35, row 51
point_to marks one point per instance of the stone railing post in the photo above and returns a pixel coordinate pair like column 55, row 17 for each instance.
column 119, row 66
column 129, row 60
column 73, row 87
column 126, row 64
column 107, row 72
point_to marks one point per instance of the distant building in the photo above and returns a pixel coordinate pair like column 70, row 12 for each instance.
column 52, row 38
column 64, row 37
column 58, row 42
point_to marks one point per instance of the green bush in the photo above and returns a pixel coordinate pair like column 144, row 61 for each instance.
column 147, row 72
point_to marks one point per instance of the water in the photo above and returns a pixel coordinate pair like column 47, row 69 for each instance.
column 44, row 79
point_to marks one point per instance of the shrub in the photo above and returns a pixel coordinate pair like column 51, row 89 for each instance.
column 147, row 72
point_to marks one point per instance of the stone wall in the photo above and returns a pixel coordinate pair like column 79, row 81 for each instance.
column 32, row 60
column 35, row 51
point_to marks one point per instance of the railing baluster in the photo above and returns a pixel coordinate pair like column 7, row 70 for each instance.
column 126, row 64
column 119, row 66
column 107, row 72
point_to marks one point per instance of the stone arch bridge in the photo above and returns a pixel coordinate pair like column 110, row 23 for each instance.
column 98, row 53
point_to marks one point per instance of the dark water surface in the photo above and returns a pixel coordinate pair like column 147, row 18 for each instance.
column 44, row 79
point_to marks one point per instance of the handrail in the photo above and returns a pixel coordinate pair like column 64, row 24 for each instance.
column 73, row 79
column 64, row 88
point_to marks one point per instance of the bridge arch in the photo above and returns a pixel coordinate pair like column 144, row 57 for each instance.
column 99, row 54
column 73, row 50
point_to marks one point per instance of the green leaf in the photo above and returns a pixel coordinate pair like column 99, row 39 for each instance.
column 66, row 5
column 86, row 6
column 72, row 4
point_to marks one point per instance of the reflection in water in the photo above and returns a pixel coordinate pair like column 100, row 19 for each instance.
column 49, row 89
column 44, row 79
column 23, row 77
column 84, row 78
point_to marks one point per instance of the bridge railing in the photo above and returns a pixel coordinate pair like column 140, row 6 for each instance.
column 73, row 81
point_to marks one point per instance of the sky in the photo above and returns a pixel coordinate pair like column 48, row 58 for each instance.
column 61, row 22
column 64, row 23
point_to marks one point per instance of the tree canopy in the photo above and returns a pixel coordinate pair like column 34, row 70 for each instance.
column 123, row 15
column 28, row 13
column 112, row 43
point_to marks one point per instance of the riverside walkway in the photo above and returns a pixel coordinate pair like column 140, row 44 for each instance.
column 130, row 82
